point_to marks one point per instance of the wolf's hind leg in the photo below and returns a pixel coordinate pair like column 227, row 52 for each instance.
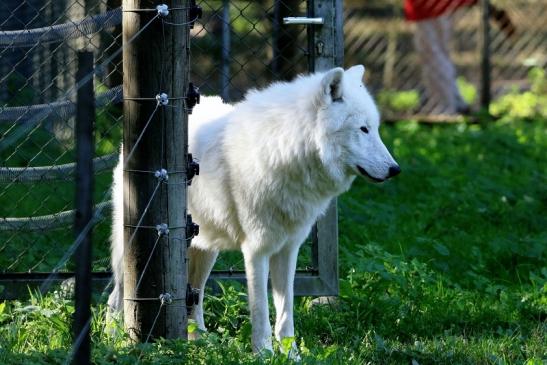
column 201, row 263
column 282, row 270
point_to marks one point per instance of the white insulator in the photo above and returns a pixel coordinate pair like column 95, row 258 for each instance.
column 162, row 174
column 166, row 298
column 163, row 229
column 163, row 10
column 163, row 99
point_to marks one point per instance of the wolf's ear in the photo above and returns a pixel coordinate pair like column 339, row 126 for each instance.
column 331, row 84
column 356, row 72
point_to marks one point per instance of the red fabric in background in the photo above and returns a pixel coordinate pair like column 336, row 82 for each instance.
column 424, row 9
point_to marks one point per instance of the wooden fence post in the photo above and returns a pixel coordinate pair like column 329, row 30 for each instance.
column 85, row 117
column 155, row 62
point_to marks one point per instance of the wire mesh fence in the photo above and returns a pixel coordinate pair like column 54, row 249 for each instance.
column 39, row 41
column 378, row 35
column 244, row 44
column 236, row 45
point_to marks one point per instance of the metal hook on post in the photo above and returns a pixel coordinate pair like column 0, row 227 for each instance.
column 302, row 20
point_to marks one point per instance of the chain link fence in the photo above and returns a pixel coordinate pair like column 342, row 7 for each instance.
column 236, row 45
column 39, row 41
column 377, row 35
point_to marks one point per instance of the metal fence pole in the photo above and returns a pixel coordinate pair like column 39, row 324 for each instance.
column 155, row 62
column 485, row 55
column 327, row 51
column 226, row 51
column 85, row 146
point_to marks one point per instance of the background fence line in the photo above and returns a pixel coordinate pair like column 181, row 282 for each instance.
column 45, row 222
column 53, row 172
column 378, row 36
column 60, row 32
column 60, row 109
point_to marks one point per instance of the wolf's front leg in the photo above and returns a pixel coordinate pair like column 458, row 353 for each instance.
column 282, row 269
column 256, row 269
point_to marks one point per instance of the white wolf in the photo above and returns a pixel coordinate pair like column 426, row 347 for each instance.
column 270, row 165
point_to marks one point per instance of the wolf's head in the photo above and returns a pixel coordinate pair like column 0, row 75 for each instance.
column 350, row 140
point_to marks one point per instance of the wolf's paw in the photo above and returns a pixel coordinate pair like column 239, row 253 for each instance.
column 264, row 350
column 194, row 332
column 287, row 345
column 113, row 323
column 265, row 353
column 193, row 336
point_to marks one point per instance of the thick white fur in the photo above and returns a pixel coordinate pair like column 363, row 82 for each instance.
column 270, row 165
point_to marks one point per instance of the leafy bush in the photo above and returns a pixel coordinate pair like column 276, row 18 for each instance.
column 467, row 90
column 529, row 104
column 398, row 101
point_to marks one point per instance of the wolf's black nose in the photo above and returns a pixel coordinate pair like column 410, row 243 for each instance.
column 393, row 171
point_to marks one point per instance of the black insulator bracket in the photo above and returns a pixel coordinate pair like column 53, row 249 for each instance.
column 195, row 12
column 192, row 298
column 192, row 169
column 192, row 97
column 192, row 229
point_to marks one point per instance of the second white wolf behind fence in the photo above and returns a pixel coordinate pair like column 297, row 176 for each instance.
column 270, row 166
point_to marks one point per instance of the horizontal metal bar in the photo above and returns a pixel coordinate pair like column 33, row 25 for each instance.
column 302, row 20
column 18, row 285
column 306, row 283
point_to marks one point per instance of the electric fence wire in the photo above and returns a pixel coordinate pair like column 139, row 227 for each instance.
column 47, row 283
column 80, row 337
column 154, row 322
column 78, row 341
column 163, row 231
column 147, row 262
column 139, row 223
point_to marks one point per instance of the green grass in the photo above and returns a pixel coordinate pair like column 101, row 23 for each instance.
column 446, row 264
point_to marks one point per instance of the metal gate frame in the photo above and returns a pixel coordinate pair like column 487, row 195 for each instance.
column 325, row 51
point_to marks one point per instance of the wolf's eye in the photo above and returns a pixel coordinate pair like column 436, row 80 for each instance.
column 364, row 129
